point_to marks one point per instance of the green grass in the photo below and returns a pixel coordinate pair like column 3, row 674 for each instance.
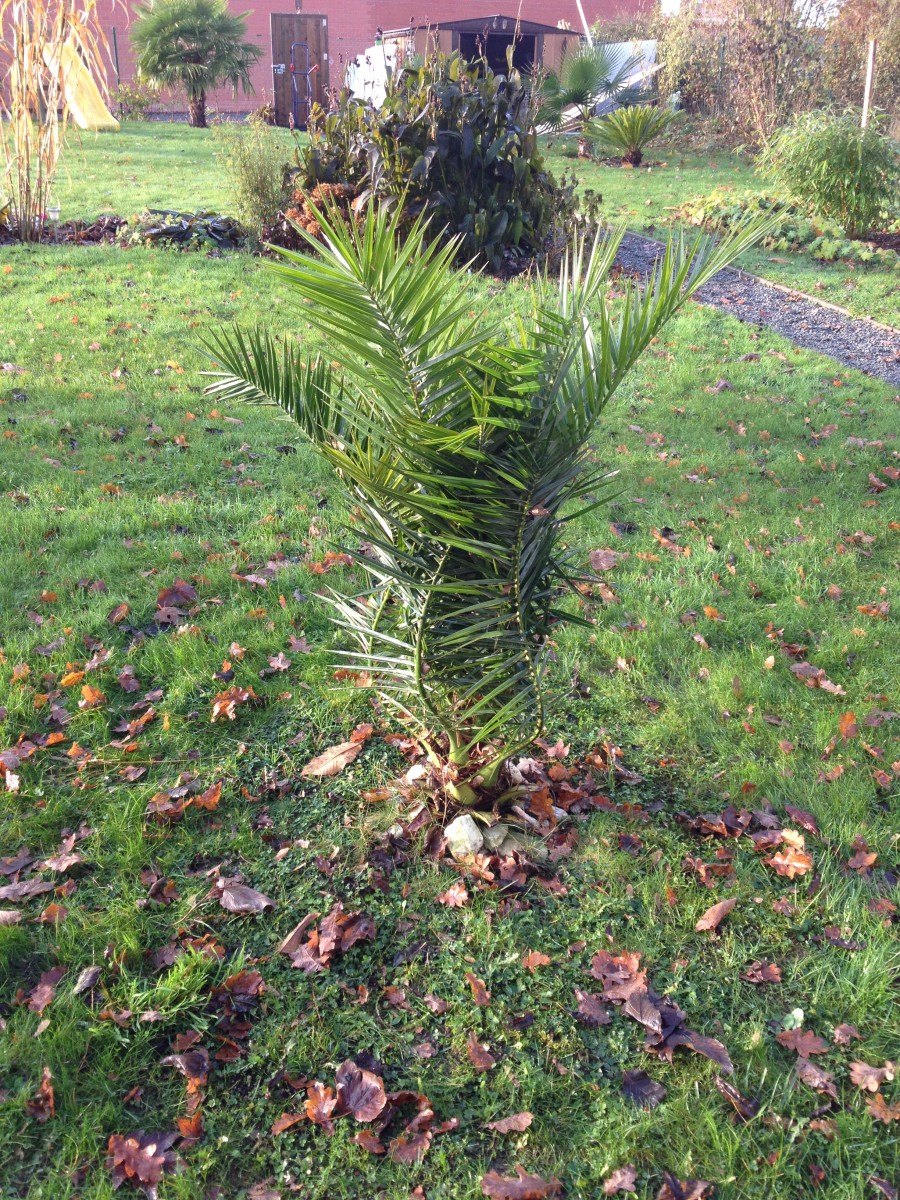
column 162, row 165
column 101, row 506
column 648, row 200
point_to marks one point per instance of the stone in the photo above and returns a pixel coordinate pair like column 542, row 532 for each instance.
column 463, row 837
column 495, row 835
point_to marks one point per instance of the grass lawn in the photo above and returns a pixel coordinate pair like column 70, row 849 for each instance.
column 748, row 526
column 162, row 165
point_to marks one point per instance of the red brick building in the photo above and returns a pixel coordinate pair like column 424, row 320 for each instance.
column 339, row 30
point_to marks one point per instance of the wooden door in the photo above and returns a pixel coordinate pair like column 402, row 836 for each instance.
column 289, row 29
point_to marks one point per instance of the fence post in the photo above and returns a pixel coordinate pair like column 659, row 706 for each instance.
column 870, row 72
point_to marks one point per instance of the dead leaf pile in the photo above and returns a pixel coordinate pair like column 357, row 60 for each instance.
column 334, row 935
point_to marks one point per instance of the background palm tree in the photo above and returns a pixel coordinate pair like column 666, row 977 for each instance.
column 586, row 77
column 196, row 45
column 466, row 448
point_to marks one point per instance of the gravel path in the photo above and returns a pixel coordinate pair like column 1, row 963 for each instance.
column 852, row 341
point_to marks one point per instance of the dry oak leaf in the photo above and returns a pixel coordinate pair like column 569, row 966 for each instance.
column 590, row 1009
column 141, row 1158
column 534, row 959
column 803, row 1041
column 761, row 971
column 522, row 1186
column 871, row 1078
column 46, row 989
column 843, row 1034
column 517, row 1123
column 714, row 916
column 360, row 1092
column 880, row 1110
column 42, row 1106
column 643, row 1091
column 622, row 1180
column 368, row 1141
column 332, row 761
column 286, row 1121
column 684, row 1189
column 238, row 898
column 455, row 896
column 816, row 1077
column 790, row 862
column 480, row 1056
column 320, row 1104
column 410, row 1146
column 480, row 994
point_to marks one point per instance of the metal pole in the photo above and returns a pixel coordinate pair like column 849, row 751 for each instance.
column 586, row 27
column 870, row 72
column 116, row 57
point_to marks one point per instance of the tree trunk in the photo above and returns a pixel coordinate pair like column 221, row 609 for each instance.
column 634, row 157
column 585, row 147
column 197, row 109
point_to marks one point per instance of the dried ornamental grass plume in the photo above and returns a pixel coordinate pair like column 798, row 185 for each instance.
column 39, row 37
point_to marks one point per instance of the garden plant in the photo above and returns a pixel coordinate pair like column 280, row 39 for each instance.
column 629, row 131
column 589, row 75
column 194, row 46
column 466, row 447
column 837, row 168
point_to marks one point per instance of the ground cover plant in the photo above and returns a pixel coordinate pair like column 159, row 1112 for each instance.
column 749, row 557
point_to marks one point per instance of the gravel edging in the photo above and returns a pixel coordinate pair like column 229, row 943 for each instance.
column 852, row 341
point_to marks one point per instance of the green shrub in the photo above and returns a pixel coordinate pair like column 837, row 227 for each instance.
column 459, row 144
column 257, row 165
column 838, row 169
column 629, row 131
column 791, row 228
column 133, row 100
column 466, row 447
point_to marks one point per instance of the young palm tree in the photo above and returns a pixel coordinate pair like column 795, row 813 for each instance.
column 193, row 44
column 465, row 447
column 587, row 76
column 629, row 130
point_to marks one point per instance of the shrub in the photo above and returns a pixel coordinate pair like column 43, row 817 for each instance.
column 257, row 166
column 791, row 227
column 841, row 171
column 459, row 144
column 630, row 130
column 133, row 100
column 466, row 449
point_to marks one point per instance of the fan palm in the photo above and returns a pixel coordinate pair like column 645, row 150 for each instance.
column 587, row 76
column 629, row 130
column 465, row 447
column 193, row 44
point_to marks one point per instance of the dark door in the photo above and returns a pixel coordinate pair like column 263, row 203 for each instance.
column 298, row 30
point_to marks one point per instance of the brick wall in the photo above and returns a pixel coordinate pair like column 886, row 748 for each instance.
column 351, row 29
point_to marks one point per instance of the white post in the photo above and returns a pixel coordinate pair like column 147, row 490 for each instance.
column 867, row 94
column 586, row 27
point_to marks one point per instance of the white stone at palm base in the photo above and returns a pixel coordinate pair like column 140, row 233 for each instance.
column 463, row 836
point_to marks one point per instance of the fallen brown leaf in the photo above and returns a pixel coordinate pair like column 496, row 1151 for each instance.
column 332, row 761
column 517, row 1123
column 714, row 916
column 522, row 1186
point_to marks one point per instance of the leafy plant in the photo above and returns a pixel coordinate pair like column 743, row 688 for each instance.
column 34, row 108
column 257, row 165
column 456, row 142
column 133, row 100
column 587, row 76
column 465, row 447
column 195, row 231
column 791, row 228
column 630, row 130
column 196, row 45
column 838, row 169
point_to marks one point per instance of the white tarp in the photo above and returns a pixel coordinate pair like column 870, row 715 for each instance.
column 367, row 74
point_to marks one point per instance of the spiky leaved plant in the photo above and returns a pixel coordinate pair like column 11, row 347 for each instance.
column 588, row 75
column 630, row 130
column 466, row 447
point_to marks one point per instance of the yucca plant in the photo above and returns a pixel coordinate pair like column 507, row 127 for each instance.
column 629, row 131
column 466, row 448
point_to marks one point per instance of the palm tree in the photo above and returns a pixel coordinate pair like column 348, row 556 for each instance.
column 193, row 44
column 629, row 130
column 591, row 74
column 466, row 449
